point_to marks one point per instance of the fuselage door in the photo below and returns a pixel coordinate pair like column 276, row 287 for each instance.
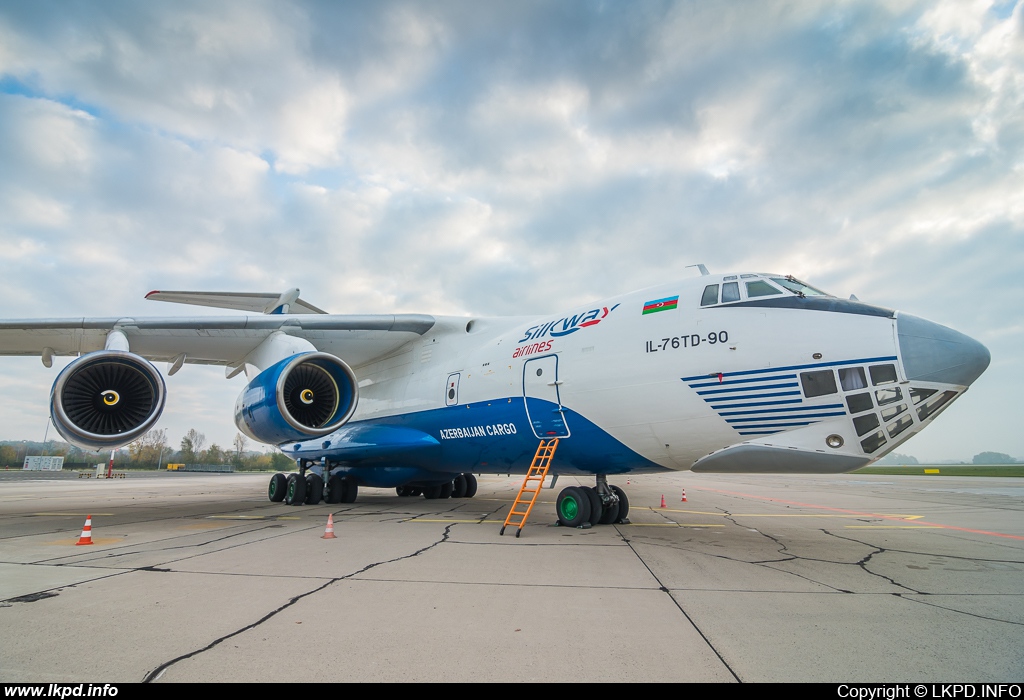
column 540, row 392
column 451, row 390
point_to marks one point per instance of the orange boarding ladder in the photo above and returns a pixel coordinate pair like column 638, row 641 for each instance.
column 532, row 485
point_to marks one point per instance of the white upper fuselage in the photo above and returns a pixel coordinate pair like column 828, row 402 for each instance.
column 675, row 384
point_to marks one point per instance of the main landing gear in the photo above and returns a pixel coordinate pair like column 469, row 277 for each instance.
column 462, row 486
column 585, row 506
column 301, row 488
column 309, row 488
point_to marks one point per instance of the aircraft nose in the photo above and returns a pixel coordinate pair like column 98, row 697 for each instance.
column 934, row 353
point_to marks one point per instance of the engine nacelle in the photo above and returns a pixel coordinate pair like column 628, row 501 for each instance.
column 107, row 399
column 303, row 396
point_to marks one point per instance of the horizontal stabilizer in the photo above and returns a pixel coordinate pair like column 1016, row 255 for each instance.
column 286, row 302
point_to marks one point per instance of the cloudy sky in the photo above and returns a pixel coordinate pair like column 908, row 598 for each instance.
column 509, row 158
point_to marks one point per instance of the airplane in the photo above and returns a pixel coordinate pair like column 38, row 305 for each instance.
column 718, row 373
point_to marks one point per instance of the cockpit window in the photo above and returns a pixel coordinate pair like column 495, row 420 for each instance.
column 730, row 292
column 760, row 288
column 797, row 287
column 710, row 295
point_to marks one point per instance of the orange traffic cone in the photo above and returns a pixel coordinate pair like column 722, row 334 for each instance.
column 329, row 532
column 662, row 500
column 684, row 495
column 86, row 537
column 627, row 482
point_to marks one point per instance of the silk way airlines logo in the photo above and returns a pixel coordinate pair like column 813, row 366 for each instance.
column 569, row 324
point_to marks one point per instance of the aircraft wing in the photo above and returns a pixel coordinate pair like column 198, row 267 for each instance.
column 214, row 340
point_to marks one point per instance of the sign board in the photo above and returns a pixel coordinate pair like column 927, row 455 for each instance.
column 44, row 464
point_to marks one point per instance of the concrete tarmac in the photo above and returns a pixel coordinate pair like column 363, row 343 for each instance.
column 753, row 578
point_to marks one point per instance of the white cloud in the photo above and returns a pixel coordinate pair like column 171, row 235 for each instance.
column 442, row 158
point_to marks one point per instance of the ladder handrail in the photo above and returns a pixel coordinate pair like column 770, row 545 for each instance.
column 538, row 471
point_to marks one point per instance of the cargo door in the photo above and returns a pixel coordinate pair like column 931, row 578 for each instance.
column 540, row 392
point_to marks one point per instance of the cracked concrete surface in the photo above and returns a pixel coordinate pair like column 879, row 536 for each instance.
column 755, row 578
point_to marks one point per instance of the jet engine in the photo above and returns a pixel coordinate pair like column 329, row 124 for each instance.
column 303, row 396
column 106, row 399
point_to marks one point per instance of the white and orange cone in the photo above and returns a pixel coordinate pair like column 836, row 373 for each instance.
column 684, row 495
column 329, row 531
column 86, row 537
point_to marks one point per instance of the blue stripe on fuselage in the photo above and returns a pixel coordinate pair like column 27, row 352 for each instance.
column 490, row 437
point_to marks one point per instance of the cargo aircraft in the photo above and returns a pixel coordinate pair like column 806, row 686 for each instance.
column 727, row 373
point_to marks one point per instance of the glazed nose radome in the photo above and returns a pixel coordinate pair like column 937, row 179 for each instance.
column 934, row 353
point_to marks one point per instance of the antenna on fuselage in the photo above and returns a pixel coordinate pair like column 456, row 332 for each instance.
column 703, row 270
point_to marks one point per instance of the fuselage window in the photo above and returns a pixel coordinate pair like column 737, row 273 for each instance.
column 893, row 411
column 852, row 378
column 919, row 395
column 899, row 426
column 797, row 287
column 760, row 288
column 730, row 292
column 873, row 442
column 865, row 424
column 859, row 402
column 818, row 383
column 887, row 396
column 934, row 404
column 883, row 374
column 710, row 295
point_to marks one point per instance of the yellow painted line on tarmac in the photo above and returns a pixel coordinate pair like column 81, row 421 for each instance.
column 894, row 527
column 254, row 517
column 774, row 515
column 449, row 520
column 671, row 525
column 80, row 515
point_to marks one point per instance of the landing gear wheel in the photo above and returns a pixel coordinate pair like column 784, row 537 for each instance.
column 623, row 504
column 470, row 485
column 595, row 503
column 432, row 492
column 459, row 486
column 609, row 514
column 349, row 490
column 446, row 490
column 295, row 491
column 278, row 485
column 335, row 487
column 414, row 492
column 573, row 507
column 314, row 489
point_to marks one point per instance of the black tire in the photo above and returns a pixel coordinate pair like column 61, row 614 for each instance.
column 459, row 487
column 349, row 490
column 573, row 507
column 470, row 485
column 278, row 486
column 432, row 492
column 335, row 488
column 401, row 491
column 595, row 503
column 314, row 489
column 610, row 513
column 295, row 490
column 446, row 490
column 623, row 504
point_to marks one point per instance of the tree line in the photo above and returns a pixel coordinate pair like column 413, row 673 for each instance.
column 151, row 451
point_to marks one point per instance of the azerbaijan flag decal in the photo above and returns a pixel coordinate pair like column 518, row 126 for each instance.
column 657, row 305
